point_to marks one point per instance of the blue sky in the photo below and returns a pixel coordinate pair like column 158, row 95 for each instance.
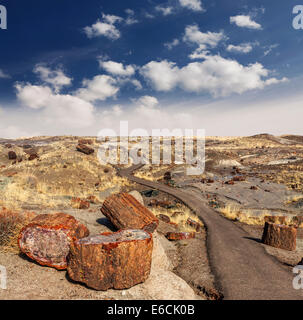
column 76, row 67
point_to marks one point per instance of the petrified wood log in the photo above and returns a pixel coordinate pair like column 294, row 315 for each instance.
column 125, row 212
column 175, row 236
column 85, row 149
column 279, row 236
column 111, row 260
column 12, row 155
column 47, row 238
column 194, row 224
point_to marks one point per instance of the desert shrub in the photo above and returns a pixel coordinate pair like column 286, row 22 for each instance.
column 11, row 224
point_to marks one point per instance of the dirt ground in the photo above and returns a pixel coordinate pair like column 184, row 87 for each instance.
column 271, row 184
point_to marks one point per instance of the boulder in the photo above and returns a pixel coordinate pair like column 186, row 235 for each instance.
column 12, row 155
column 117, row 260
column 47, row 238
column 85, row 149
column 279, row 236
column 125, row 212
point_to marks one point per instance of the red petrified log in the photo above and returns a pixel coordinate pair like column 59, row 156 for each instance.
column 85, row 149
column 279, row 236
column 174, row 236
column 12, row 155
column 111, row 260
column 194, row 224
column 125, row 212
column 47, row 238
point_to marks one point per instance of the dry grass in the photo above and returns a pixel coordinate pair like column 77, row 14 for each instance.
column 179, row 219
column 60, row 174
column 247, row 216
column 11, row 223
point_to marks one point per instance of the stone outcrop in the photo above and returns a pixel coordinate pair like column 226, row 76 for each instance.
column 279, row 236
column 117, row 260
column 125, row 212
column 47, row 238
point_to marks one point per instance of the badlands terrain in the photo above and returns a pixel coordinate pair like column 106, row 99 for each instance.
column 246, row 179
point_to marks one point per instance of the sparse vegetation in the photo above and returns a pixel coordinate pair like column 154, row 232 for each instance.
column 11, row 223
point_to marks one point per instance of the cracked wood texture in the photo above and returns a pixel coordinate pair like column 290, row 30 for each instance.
column 117, row 260
column 47, row 238
column 125, row 212
column 279, row 236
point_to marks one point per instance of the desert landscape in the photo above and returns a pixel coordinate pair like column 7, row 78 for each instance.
column 234, row 232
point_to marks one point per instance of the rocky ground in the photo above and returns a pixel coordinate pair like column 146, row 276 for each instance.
column 245, row 180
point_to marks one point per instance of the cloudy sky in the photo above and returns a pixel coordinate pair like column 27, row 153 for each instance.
column 76, row 67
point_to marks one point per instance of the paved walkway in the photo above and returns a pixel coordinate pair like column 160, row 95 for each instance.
column 242, row 268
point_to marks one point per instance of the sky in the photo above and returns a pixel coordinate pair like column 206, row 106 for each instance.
column 77, row 67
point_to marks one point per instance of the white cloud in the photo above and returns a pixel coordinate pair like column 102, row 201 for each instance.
column 117, row 69
column 215, row 75
column 147, row 102
column 165, row 10
column 136, row 83
column 269, row 49
column 63, row 109
column 56, row 78
column 172, row 44
column 3, row 75
column 34, row 97
column 100, row 87
column 243, row 21
column 241, row 48
column 130, row 17
column 195, row 5
column 204, row 40
column 106, row 28
column 162, row 75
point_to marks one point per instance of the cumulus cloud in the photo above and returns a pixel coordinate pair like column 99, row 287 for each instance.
column 195, row 5
column 172, row 44
column 165, row 10
column 117, row 69
column 162, row 75
column 104, row 28
column 64, row 109
column 241, row 48
column 203, row 39
column 100, row 87
column 243, row 21
column 215, row 75
column 56, row 78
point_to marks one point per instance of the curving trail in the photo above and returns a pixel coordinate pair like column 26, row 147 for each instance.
column 242, row 268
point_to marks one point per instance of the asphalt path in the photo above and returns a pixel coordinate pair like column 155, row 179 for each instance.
column 241, row 266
